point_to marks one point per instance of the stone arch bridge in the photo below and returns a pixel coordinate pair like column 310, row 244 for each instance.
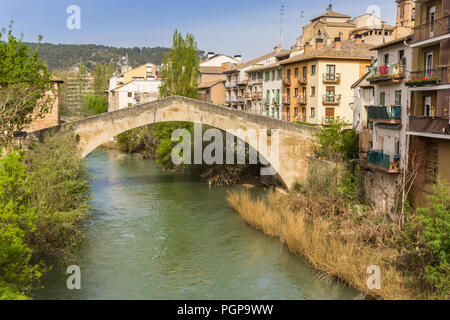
column 295, row 141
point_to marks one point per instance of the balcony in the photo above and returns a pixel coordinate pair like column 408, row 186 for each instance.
column 332, row 99
column 390, row 115
column 387, row 73
column 286, row 82
column 301, row 99
column 302, row 80
column 332, row 78
column 385, row 162
column 428, row 77
column 276, row 101
column 431, row 30
column 431, row 125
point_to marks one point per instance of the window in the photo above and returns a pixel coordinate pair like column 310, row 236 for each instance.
column 313, row 70
column 367, row 69
column 304, row 72
column 432, row 164
column 273, row 75
column 401, row 55
column 398, row 97
column 267, row 76
column 288, row 73
column 295, row 112
column 278, row 96
column 280, row 74
column 313, row 91
column 296, row 92
column 382, row 99
column 386, row 59
column 413, row 14
column 288, row 92
column 304, row 92
column 397, row 146
column 296, row 72
column 130, row 94
column 331, row 72
column 313, row 112
column 381, row 143
column 330, row 94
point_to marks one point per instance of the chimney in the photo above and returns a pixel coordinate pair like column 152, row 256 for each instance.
column 277, row 49
column 319, row 43
column 308, row 48
column 210, row 55
column 337, row 43
column 238, row 57
column 358, row 38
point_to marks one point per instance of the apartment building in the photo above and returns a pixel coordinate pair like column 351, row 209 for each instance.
column 136, row 86
column 272, row 89
column 318, row 83
column 429, row 85
column 239, row 78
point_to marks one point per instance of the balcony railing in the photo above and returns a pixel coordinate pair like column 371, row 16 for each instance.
column 431, row 30
column 286, row 81
column 301, row 99
column 302, row 80
column 391, row 72
column 332, row 99
column 429, row 77
column 436, row 125
column 386, row 162
column 384, row 114
column 332, row 77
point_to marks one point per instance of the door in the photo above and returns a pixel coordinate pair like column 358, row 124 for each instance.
column 427, row 107
column 429, row 64
column 431, row 19
column 329, row 115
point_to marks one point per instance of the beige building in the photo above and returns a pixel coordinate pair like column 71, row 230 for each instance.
column 318, row 83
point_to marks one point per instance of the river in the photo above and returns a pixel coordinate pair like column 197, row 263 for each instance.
column 160, row 235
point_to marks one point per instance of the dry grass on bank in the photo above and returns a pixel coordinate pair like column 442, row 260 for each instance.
column 311, row 238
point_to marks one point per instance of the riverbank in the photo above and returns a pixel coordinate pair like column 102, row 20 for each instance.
column 327, row 252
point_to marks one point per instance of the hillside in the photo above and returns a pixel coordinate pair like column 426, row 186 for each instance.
column 65, row 57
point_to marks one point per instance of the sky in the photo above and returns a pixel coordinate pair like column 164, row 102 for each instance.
column 247, row 27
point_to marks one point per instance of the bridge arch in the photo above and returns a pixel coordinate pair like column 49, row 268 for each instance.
column 295, row 141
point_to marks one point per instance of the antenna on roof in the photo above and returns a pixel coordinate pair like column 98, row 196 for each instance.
column 330, row 7
column 281, row 24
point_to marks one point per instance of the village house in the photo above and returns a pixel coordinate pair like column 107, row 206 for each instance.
column 429, row 110
column 317, row 83
column 52, row 117
column 133, row 87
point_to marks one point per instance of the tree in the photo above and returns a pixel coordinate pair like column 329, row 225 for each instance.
column 334, row 140
column 24, row 81
column 436, row 236
column 17, row 221
column 180, row 68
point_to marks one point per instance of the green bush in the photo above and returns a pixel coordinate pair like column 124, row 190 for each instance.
column 96, row 104
column 335, row 141
column 17, row 221
column 436, row 236
column 60, row 192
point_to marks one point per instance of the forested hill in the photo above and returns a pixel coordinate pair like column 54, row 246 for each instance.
column 65, row 57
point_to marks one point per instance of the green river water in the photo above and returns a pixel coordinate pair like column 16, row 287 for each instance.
column 159, row 235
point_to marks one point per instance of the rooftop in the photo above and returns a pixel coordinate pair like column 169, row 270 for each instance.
column 349, row 50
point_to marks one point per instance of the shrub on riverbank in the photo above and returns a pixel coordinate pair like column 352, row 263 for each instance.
column 17, row 222
column 60, row 193
column 343, row 238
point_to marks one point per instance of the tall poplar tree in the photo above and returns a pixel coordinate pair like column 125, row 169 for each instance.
column 180, row 68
